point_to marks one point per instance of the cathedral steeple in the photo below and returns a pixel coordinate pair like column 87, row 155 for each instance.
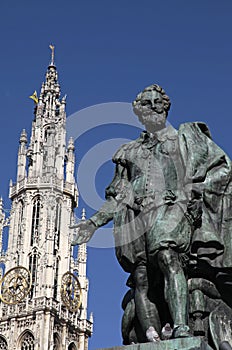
column 46, row 151
column 49, row 100
column 43, row 201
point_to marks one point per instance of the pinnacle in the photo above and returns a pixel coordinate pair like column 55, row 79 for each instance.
column 83, row 214
column 23, row 137
column 71, row 146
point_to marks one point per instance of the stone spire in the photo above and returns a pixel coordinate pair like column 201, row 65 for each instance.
column 49, row 99
column 70, row 162
column 46, row 151
column 91, row 317
column 81, row 263
column 82, row 253
column 22, row 156
column 83, row 214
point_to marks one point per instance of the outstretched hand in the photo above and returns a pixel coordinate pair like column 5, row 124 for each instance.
column 85, row 231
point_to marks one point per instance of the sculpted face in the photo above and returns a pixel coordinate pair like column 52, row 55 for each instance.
column 150, row 110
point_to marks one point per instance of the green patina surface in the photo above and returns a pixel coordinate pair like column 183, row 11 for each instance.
column 171, row 204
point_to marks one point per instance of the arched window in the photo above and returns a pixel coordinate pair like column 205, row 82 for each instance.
column 27, row 342
column 56, row 342
column 20, row 223
column 65, row 166
column 17, row 258
column 33, row 264
column 35, row 220
column 3, row 344
column 57, row 228
column 47, row 133
column 72, row 346
column 56, row 278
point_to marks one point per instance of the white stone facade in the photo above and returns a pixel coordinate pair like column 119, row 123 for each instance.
column 43, row 202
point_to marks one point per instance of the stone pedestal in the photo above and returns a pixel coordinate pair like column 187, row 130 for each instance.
column 192, row 343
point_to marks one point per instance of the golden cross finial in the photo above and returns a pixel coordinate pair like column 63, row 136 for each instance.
column 52, row 47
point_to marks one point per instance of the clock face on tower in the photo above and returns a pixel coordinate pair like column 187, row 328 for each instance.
column 15, row 285
column 71, row 294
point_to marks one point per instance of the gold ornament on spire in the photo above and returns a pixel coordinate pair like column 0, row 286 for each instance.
column 34, row 97
column 52, row 47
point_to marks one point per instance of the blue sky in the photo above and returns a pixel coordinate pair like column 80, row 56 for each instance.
column 107, row 51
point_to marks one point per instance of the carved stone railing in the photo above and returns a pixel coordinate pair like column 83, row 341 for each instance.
column 43, row 303
column 41, row 182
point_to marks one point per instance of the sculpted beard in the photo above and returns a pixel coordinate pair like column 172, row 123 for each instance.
column 147, row 116
column 153, row 119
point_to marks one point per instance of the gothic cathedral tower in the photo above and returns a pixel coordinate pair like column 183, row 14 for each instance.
column 44, row 290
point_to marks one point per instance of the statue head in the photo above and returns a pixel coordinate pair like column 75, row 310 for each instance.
column 152, row 106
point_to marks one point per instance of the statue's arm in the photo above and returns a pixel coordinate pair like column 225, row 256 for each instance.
column 117, row 196
column 114, row 193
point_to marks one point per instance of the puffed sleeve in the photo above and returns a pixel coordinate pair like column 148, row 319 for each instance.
column 118, row 194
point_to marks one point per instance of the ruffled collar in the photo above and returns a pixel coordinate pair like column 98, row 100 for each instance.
column 162, row 135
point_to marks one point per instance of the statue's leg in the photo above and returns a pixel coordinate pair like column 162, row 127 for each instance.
column 146, row 311
column 128, row 322
column 176, row 289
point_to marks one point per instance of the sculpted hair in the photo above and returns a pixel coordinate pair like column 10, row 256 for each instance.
column 166, row 99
